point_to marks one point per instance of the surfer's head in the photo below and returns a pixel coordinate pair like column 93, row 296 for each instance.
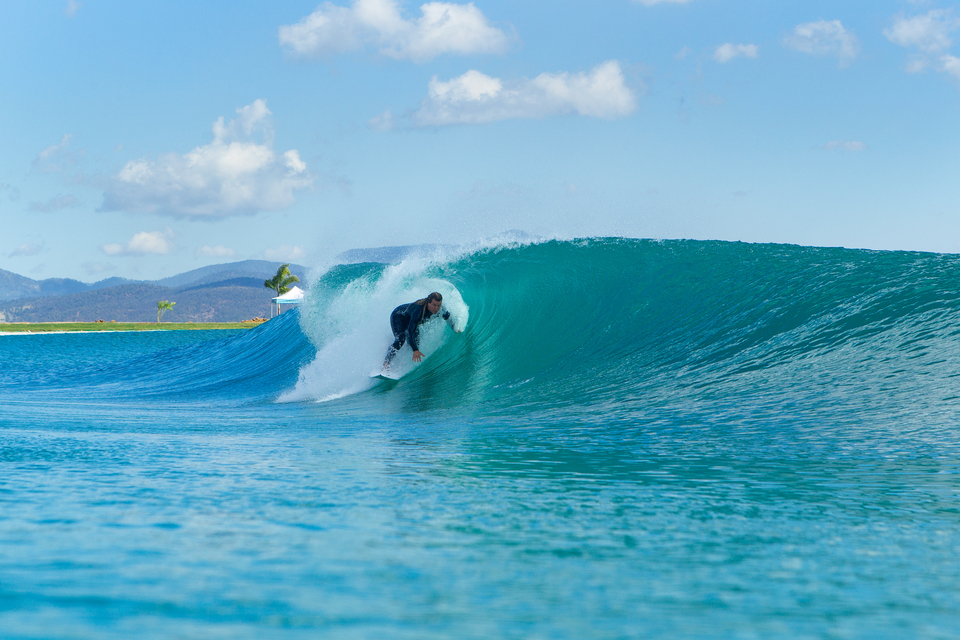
column 433, row 302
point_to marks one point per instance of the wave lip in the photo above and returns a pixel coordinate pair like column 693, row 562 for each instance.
column 605, row 329
column 346, row 316
column 615, row 326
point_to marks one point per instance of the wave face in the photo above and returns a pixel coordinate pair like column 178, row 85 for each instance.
column 598, row 331
column 613, row 329
column 184, row 366
column 629, row 438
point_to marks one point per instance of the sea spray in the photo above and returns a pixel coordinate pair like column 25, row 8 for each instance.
column 594, row 330
column 630, row 438
column 616, row 328
column 348, row 321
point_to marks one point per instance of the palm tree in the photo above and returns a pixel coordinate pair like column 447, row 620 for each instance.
column 282, row 281
column 163, row 305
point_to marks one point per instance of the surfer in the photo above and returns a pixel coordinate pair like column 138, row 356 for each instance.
column 406, row 320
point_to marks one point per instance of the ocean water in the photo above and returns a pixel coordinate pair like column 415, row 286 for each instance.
column 628, row 439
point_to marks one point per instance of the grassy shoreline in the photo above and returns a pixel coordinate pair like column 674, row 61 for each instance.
column 60, row 327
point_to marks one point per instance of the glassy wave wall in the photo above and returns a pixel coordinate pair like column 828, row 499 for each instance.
column 616, row 329
column 596, row 330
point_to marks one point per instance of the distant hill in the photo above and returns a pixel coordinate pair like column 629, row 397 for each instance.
column 259, row 269
column 218, row 293
column 214, row 302
column 13, row 286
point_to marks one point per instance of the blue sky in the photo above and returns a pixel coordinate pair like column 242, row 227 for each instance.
column 145, row 139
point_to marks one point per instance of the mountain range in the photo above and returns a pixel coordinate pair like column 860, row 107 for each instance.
column 218, row 293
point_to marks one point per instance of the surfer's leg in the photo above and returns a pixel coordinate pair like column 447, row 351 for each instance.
column 399, row 335
column 392, row 350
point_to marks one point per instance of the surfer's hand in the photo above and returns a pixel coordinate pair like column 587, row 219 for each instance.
column 416, row 356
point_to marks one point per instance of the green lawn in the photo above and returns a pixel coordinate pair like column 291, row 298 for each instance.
column 45, row 327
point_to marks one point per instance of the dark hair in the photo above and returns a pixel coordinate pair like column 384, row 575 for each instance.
column 430, row 298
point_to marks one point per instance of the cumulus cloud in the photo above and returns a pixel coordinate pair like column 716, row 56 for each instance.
column 929, row 33
column 97, row 268
column 475, row 98
column 727, row 52
column 951, row 65
column 845, row 145
column 27, row 249
column 218, row 251
column 54, row 204
column 284, row 252
column 56, row 148
column 233, row 175
column 383, row 122
column 143, row 243
column 824, row 38
column 928, row 37
column 55, row 158
column 12, row 192
column 442, row 27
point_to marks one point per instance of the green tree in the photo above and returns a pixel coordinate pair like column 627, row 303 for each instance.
column 163, row 305
column 282, row 281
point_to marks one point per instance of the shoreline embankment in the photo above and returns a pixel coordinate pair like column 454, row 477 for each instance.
column 34, row 328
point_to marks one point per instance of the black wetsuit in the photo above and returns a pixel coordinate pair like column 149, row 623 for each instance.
column 405, row 322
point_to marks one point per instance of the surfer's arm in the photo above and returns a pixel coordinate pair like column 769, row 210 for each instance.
column 446, row 316
column 413, row 327
column 414, row 324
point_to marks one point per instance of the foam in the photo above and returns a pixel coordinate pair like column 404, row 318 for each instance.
column 351, row 328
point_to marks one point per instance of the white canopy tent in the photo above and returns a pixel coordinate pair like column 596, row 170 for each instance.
column 294, row 296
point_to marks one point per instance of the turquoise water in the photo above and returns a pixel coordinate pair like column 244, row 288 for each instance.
column 629, row 439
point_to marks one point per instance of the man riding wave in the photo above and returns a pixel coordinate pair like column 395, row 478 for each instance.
column 405, row 322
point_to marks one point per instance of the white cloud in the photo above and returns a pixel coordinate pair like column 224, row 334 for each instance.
column 382, row 122
column 475, row 98
column 824, row 38
column 54, row 204
column 13, row 193
column 845, row 145
column 233, row 175
column 951, row 65
column 929, row 33
column 56, row 158
column 96, row 268
column 727, row 52
column 929, row 37
column 54, row 149
column 143, row 243
column 72, row 7
column 916, row 64
column 27, row 249
column 284, row 252
column 442, row 28
column 219, row 251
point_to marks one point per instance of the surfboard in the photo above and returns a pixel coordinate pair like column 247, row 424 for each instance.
column 385, row 375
